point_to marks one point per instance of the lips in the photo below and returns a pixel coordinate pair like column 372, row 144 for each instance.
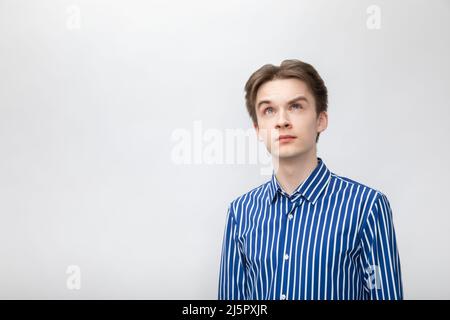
column 286, row 137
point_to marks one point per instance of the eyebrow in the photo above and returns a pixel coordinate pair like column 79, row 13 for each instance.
column 298, row 98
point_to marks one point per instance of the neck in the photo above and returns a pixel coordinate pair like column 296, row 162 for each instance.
column 293, row 171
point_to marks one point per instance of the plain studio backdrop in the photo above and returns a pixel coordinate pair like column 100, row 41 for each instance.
column 92, row 92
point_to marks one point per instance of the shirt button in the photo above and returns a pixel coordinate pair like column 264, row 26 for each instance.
column 286, row 256
column 290, row 216
column 283, row 297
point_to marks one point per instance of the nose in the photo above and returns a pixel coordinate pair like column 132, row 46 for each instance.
column 283, row 121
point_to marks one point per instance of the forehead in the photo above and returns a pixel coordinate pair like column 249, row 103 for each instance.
column 282, row 90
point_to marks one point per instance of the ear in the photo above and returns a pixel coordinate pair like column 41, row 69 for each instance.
column 322, row 121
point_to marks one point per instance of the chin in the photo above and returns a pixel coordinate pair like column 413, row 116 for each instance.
column 287, row 154
column 289, row 151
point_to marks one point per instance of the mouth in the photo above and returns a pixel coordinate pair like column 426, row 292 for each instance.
column 286, row 138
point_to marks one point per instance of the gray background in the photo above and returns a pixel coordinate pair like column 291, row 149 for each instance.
column 87, row 114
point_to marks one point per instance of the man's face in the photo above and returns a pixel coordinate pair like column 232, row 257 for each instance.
column 286, row 107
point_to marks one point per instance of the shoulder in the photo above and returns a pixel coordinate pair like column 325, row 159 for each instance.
column 373, row 202
column 238, row 204
column 361, row 190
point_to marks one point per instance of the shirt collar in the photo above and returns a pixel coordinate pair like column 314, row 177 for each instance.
column 310, row 188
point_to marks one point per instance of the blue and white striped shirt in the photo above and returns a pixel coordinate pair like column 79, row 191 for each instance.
column 333, row 238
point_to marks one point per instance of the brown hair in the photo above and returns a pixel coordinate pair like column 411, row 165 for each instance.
column 288, row 69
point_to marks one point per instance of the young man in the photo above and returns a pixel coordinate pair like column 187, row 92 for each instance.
column 307, row 233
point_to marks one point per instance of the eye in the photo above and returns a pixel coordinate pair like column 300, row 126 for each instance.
column 296, row 106
column 268, row 110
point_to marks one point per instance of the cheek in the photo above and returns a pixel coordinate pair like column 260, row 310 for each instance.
column 267, row 135
column 307, row 128
column 263, row 129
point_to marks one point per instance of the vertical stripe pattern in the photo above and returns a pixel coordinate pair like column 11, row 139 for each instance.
column 333, row 238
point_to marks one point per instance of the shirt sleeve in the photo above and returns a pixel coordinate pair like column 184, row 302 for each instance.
column 380, row 261
column 232, row 269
